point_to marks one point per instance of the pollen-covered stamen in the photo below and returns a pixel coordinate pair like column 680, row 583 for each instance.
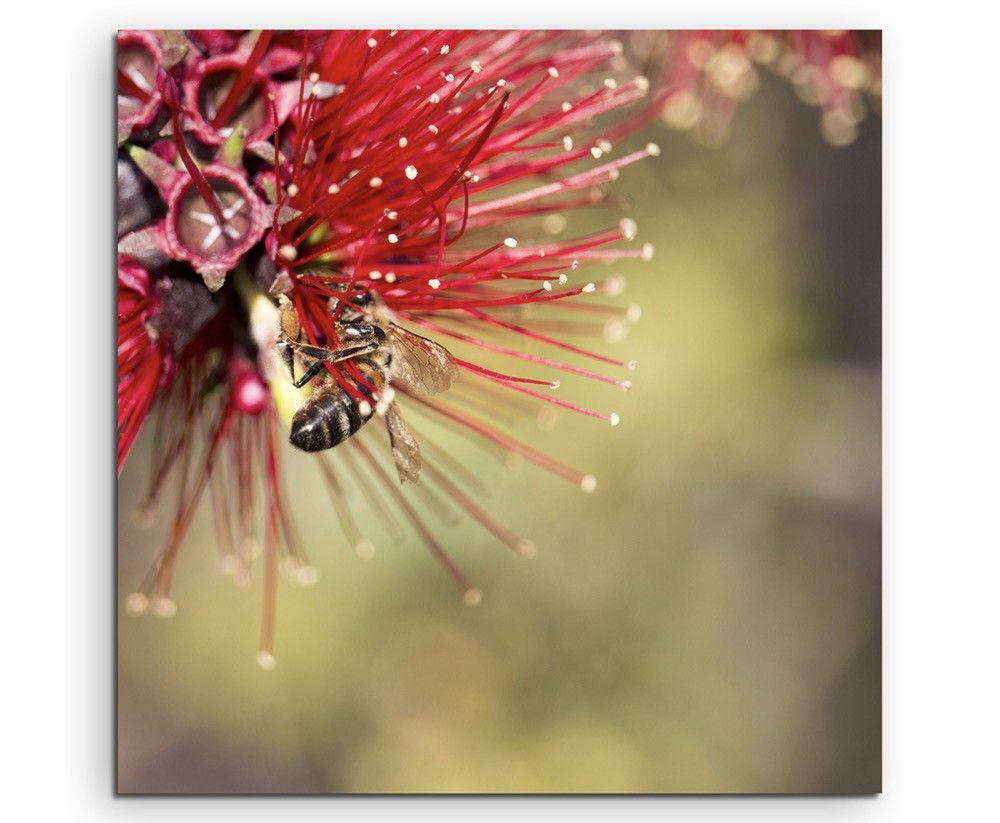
column 387, row 517
column 534, row 335
column 625, row 385
column 611, row 418
column 248, row 544
column 500, row 377
column 433, row 501
column 519, row 545
column 588, row 178
column 471, row 594
column 427, row 302
column 229, row 563
column 156, row 586
column 492, row 402
column 427, row 199
column 360, row 544
column 507, row 442
column 265, row 655
column 176, row 417
column 455, row 467
column 300, row 571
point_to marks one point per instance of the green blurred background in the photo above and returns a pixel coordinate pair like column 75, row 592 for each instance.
column 707, row 621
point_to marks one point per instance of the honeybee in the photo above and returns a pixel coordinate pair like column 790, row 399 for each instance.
column 384, row 353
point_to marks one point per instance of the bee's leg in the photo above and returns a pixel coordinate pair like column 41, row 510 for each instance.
column 309, row 374
column 321, row 356
column 288, row 341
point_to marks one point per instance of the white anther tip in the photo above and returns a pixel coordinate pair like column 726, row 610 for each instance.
column 164, row 607
column 305, row 576
column 136, row 604
column 525, row 548
column 364, row 549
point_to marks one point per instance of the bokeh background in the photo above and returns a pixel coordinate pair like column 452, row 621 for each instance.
column 707, row 621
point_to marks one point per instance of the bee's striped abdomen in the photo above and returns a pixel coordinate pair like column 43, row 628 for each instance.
column 331, row 415
column 326, row 419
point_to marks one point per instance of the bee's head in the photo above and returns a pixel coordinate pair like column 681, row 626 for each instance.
column 363, row 299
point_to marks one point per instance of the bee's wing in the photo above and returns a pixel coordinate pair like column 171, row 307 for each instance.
column 420, row 364
column 405, row 450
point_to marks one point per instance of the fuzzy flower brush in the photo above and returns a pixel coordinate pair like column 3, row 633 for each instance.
column 317, row 243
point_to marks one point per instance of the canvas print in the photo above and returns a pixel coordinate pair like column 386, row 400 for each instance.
column 498, row 412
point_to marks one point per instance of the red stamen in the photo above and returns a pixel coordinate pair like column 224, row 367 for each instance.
column 204, row 189
column 242, row 81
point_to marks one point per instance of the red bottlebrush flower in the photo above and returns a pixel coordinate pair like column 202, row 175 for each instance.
column 367, row 183
column 143, row 364
column 703, row 75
